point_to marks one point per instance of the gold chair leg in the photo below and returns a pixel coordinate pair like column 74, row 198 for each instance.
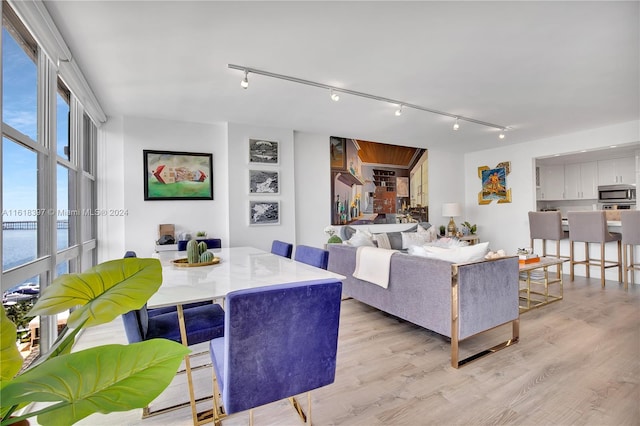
column 298, row 408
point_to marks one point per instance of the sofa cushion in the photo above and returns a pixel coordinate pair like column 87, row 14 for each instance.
column 361, row 238
column 410, row 239
column 462, row 254
column 382, row 240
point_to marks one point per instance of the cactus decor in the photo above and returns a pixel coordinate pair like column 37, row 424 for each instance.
column 206, row 257
column 193, row 251
column 202, row 247
column 197, row 252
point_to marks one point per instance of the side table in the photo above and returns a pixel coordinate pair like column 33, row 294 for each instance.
column 471, row 239
column 536, row 275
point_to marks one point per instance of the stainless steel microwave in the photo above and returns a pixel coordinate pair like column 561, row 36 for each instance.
column 617, row 193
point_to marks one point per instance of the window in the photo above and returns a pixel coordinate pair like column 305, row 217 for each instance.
column 48, row 177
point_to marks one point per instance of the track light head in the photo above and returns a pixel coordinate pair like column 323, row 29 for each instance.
column 456, row 126
column 502, row 132
column 399, row 111
column 245, row 82
column 334, row 96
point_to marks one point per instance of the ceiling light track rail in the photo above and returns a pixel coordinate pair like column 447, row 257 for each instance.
column 334, row 89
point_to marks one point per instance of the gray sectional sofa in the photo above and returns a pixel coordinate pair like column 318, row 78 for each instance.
column 455, row 300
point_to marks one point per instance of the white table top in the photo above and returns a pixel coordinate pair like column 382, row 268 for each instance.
column 239, row 268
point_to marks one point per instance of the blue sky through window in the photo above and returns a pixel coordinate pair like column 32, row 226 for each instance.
column 19, row 110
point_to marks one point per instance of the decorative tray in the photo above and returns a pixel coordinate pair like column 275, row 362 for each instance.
column 183, row 263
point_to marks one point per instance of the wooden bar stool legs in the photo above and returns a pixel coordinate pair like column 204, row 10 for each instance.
column 591, row 227
column 630, row 221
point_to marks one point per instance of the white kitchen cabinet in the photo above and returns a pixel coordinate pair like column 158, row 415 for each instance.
column 551, row 182
column 581, row 181
column 617, row 170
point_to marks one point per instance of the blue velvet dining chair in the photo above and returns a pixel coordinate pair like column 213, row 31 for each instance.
column 312, row 256
column 279, row 341
column 281, row 248
column 203, row 321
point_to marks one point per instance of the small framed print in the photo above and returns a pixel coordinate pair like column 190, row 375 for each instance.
column 494, row 184
column 263, row 152
column 264, row 182
column 264, row 213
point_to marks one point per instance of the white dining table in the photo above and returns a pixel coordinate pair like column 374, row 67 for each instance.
column 239, row 268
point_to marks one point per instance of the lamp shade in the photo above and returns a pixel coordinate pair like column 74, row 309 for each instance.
column 451, row 210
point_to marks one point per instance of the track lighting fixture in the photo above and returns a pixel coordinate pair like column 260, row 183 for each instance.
column 245, row 82
column 335, row 97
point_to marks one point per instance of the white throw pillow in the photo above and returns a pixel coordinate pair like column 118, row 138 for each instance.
column 430, row 232
column 383, row 240
column 462, row 254
column 361, row 238
column 410, row 239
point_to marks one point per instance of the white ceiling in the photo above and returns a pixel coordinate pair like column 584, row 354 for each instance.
column 540, row 68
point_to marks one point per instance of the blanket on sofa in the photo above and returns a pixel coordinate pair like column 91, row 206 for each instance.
column 373, row 264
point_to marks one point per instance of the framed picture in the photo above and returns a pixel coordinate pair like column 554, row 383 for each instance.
column 264, row 213
column 170, row 175
column 264, row 182
column 494, row 184
column 402, row 186
column 338, row 153
column 263, row 152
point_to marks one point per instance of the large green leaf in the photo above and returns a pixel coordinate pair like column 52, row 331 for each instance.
column 103, row 292
column 9, row 353
column 103, row 379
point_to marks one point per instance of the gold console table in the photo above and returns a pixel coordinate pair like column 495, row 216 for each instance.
column 536, row 281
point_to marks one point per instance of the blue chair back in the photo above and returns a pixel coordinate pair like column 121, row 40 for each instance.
column 212, row 243
column 279, row 341
column 281, row 248
column 312, row 256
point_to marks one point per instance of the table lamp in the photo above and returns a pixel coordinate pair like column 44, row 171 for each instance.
column 451, row 210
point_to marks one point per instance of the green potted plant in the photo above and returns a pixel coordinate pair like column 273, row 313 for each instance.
column 472, row 228
column 443, row 230
column 333, row 238
column 101, row 379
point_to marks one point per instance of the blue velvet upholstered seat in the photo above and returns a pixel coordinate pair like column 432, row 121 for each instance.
column 202, row 323
column 281, row 248
column 279, row 341
column 312, row 256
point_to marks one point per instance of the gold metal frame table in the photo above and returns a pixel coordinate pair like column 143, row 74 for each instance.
column 537, row 274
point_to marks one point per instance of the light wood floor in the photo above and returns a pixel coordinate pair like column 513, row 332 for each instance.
column 577, row 362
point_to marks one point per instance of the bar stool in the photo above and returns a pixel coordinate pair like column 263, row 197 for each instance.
column 547, row 226
column 630, row 237
column 591, row 227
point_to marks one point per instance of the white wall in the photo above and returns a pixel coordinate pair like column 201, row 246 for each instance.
column 110, row 189
column 506, row 226
column 240, row 233
column 446, row 185
column 123, row 168
column 313, row 188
